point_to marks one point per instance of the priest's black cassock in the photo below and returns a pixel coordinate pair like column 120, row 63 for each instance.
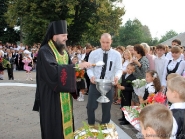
column 51, row 81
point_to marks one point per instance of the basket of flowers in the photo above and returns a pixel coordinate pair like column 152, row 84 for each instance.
column 106, row 131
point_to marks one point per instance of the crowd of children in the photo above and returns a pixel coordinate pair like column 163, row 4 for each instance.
column 157, row 121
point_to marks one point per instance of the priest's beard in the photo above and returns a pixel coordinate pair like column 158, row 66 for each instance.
column 60, row 46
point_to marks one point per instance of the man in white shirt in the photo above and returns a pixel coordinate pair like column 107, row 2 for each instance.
column 112, row 70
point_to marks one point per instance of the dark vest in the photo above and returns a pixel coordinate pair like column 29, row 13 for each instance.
column 146, row 93
column 175, row 69
column 179, row 115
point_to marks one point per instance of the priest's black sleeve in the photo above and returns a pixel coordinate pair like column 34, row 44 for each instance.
column 60, row 78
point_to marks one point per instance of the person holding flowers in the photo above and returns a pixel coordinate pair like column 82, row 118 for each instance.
column 3, row 65
column 176, row 95
column 142, row 65
column 153, row 85
column 80, row 80
column 126, row 90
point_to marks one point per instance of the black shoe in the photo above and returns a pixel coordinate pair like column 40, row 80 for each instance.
column 121, row 119
column 125, row 122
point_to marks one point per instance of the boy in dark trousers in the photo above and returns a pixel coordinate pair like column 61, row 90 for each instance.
column 126, row 90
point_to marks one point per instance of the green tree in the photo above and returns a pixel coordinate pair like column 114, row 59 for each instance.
column 107, row 19
column 7, row 34
column 168, row 35
column 154, row 42
column 86, row 18
column 133, row 32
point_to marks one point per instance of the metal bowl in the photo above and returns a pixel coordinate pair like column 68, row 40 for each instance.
column 103, row 86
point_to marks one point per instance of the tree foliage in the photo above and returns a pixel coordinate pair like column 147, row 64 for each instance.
column 87, row 19
column 7, row 34
column 133, row 32
column 168, row 35
column 154, row 42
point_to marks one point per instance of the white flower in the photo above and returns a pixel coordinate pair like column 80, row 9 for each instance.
column 138, row 83
column 155, row 75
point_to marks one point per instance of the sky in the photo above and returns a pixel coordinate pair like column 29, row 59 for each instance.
column 159, row 15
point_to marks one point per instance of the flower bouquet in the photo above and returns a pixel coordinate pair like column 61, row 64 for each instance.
column 139, row 86
column 79, row 75
column 5, row 63
column 106, row 131
column 156, row 98
column 132, row 112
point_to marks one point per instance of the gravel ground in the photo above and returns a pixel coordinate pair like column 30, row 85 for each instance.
column 18, row 121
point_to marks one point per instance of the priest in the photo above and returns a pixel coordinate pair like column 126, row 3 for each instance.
column 56, row 84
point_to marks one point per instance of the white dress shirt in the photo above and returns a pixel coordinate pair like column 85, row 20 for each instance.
column 126, row 75
column 114, row 71
column 83, row 56
column 150, row 87
column 171, row 66
column 124, row 67
column 175, row 126
column 159, row 65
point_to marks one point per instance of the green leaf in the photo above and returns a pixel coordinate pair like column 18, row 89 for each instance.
column 100, row 135
column 87, row 129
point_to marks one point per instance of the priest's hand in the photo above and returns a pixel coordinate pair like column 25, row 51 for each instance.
column 92, row 80
column 84, row 65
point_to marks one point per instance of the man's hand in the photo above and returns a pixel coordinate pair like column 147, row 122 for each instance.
column 84, row 65
column 116, row 80
column 92, row 80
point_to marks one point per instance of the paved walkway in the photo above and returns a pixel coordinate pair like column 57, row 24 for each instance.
column 18, row 121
